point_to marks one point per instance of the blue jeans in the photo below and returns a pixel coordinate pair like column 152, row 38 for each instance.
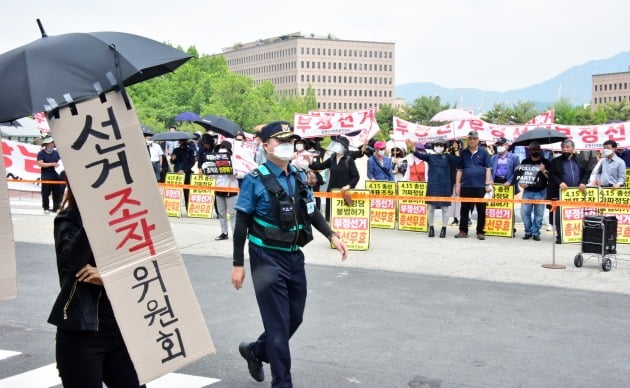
column 532, row 227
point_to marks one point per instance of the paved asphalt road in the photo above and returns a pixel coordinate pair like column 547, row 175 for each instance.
column 444, row 320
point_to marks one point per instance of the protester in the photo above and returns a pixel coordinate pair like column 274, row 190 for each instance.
column 611, row 169
column 156, row 155
column 48, row 160
column 567, row 170
column 343, row 173
column 455, row 147
column 473, row 180
column 503, row 163
column 90, row 349
column 275, row 209
column 183, row 159
column 380, row 167
column 225, row 200
column 259, row 153
column 400, row 163
column 417, row 168
column 439, row 182
column 315, row 177
column 535, row 189
column 624, row 154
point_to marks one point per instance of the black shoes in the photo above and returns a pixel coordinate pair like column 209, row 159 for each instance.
column 455, row 221
column 527, row 237
column 222, row 236
column 253, row 364
column 431, row 231
column 443, row 232
column 481, row 236
column 558, row 240
column 536, row 237
column 461, row 235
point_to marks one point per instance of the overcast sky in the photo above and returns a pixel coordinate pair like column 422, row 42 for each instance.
column 488, row 44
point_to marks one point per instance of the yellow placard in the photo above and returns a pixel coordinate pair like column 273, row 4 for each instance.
column 382, row 211
column 571, row 216
column 172, row 196
column 201, row 200
column 352, row 223
column 618, row 196
column 412, row 213
column 500, row 214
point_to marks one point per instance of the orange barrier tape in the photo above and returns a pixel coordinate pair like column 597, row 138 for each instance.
column 322, row 194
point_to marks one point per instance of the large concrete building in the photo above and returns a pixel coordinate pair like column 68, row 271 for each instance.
column 346, row 75
column 610, row 88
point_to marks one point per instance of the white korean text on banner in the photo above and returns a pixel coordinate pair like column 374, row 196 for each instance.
column 383, row 213
column 135, row 250
column 172, row 197
column 412, row 213
column 352, row 223
column 217, row 164
column 571, row 216
column 8, row 271
column 201, row 196
column 500, row 214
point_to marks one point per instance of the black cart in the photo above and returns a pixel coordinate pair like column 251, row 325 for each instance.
column 599, row 239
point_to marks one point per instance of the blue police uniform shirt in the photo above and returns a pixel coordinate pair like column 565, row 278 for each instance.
column 253, row 197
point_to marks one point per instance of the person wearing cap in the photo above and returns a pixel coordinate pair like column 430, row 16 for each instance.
column 417, row 169
column 342, row 170
column 48, row 159
column 473, row 179
column 567, row 170
column 380, row 167
column 439, row 181
column 503, row 163
column 259, row 153
column 276, row 212
column 225, row 200
column 535, row 188
column 398, row 155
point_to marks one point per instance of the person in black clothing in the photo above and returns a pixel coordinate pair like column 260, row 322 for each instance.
column 90, row 349
column 183, row 159
column 48, row 160
column 343, row 173
column 567, row 170
column 532, row 175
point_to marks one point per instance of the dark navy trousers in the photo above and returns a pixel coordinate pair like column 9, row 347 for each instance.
column 280, row 285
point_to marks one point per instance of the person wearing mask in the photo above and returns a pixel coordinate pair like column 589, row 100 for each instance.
column 417, row 169
column 454, row 147
column 225, row 200
column 611, row 170
column 624, row 154
column 276, row 212
column 439, row 181
column 156, row 155
column 207, row 149
column 534, row 188
column 400, row 163
column 473, row 180
column 343, row 173
column 89, row 348
column 315, row 178
column 183, row 159
column 259, row 153
column 380, row 167
column 567, row 170
column 503, row 163
column 48, row 160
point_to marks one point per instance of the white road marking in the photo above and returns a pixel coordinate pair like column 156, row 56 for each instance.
column 181, row 380
column 7, row 353
column 44, row 377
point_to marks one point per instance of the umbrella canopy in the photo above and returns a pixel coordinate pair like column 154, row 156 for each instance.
column 55, row 71
column 187, row 116
column 147, row 131
column 540, row 135
column 220, row 125
column 172, row 136
column 453, row 115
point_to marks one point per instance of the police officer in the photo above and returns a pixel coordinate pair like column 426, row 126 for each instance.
column 275, row 211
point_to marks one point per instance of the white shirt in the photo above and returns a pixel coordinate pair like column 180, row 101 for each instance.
column 155, row 152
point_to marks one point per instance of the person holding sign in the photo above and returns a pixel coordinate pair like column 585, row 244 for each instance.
column 225, row 200
column 567, row 170
column 275, row 210
column 611, row 170
column 531, row 176
column 90, row 349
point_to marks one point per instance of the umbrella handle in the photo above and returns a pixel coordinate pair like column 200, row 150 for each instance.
column 41, row 28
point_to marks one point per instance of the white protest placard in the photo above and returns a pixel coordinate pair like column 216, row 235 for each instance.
column 8, row 271
column 111, row 177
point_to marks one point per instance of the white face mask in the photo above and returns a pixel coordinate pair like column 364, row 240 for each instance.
column 283, row 151
column 607, row 152
column 299, row 147
column 438, row 150
column 335, row 147
column 501, row 149
column 381, row 152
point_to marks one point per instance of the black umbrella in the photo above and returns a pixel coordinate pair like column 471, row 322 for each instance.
column 55, row 71
column 172, row 136
column 540, row 135
column 147, row 131
column 220, row 125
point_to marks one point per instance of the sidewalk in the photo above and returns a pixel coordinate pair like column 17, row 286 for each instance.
column 495, row 259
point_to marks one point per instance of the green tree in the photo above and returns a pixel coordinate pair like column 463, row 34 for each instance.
column 423, row 108
column 502, row 113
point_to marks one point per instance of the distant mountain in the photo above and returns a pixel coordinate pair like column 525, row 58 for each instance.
column 574, row 84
